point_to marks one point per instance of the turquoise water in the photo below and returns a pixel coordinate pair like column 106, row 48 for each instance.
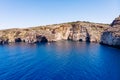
column 63, row 60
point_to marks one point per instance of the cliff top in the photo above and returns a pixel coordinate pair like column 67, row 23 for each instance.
column 52, row 26
column 116, row 22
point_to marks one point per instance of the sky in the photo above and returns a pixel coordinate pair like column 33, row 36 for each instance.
column 30, row 13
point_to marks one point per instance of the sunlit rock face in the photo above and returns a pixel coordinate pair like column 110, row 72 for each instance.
column 116, row 22
column 111, row 36
column 88, row 32
column 74, row 31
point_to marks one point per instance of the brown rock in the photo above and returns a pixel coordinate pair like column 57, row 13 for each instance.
column 75, row 31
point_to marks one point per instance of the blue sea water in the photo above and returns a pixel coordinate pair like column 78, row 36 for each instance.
column 63, row 60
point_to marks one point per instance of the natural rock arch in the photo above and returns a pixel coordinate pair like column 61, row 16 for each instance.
column 41, row 38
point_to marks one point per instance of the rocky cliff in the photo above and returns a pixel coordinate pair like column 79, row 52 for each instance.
column 116, row 22
column 111, row 36
column 75, row 31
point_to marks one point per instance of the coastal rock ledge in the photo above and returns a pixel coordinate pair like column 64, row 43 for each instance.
column 111, row 36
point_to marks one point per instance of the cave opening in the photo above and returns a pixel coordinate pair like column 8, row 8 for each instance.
column 44, row 39
column 18, row 40
column 80, row 40
column 41, row 39
column 87, row 39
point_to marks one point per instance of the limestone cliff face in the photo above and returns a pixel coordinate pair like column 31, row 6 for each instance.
column 111, row 36
column 116, row 22
column 75, row 31
column 86, row 32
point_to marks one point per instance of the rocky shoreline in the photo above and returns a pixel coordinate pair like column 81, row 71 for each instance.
column 74, row 31
column 111, row 36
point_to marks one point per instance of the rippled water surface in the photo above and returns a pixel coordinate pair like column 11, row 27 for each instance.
column 62, row 60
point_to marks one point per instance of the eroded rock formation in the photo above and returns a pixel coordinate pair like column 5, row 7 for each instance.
column 75, row 31
column 111, row 36
column 116, row 22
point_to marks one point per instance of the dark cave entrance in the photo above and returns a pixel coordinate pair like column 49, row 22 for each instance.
column 18, row 40
column 87, row 39
column 41, row 39
column 44, row 39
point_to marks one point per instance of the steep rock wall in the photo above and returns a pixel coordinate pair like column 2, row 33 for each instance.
column 111, row 36
column 75, row 31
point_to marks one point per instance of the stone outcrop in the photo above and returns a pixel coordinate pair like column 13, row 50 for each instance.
column 111, row 36
column 86, row 32
column 116, row 22
column 75, row 31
